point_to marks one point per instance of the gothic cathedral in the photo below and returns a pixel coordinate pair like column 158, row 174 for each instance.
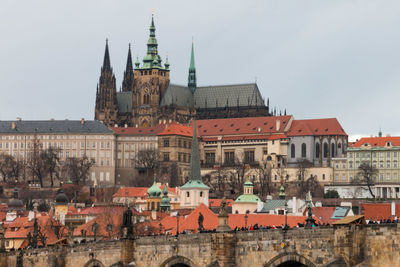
column 147, row 98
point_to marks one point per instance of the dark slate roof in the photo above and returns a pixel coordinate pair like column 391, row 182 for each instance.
column 209, row 96
column 272, row 205
column 54, row 126
column 124, row 100
column 248, row 95
column 178, row 95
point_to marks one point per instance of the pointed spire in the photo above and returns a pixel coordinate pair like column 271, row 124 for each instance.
column 152, row 59
column 166, row 64
column 137, row 63
column 106, row 62
column 129, row 65
column 285, row 112
column 195, row 158
column 192, row 83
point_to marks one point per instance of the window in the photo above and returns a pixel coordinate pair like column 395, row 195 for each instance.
column 323, row 176
column 317, row 150
column 201, row 194
column 325, row 150
column 166, row 142
column 210, row 158
column 303, row 150
column 388, row 176
column 292, row 151
column 146, row 99
column 166, row 156
column 187, row 194
column 332, row 150
column 179, row 143
column 229, row 157
column 249, row 156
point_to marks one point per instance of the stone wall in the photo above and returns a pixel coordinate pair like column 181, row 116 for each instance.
column 343, row 246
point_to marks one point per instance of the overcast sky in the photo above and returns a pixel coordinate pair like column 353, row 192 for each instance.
column 315, row 58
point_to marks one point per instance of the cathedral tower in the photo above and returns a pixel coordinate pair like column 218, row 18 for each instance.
column 150, row 82
column 106, row 95
column 128, row 82
column 192, row 73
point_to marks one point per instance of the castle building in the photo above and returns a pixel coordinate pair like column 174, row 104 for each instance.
column 147, row 97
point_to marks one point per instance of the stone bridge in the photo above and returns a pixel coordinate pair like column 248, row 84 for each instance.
column 351, row 245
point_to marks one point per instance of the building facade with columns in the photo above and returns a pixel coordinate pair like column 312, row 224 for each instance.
column 382, row 153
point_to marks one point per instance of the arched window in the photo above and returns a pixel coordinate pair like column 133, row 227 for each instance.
column 146, row 99
column 152, row 205
column 332, row 150
column 325, row 150
column 317, row 150
column 303, row 150
column 292, row 151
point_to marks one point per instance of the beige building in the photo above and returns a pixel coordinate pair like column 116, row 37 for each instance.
column 383, row 153
column 74, row 139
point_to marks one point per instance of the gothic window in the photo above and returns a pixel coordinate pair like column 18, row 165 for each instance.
column 317, row 150
column 333, row 150
column 292, row 151
column 325, row 150
column 146, row 99
column 303, row 150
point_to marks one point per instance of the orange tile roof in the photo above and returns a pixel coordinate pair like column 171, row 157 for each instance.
column 329, row 126
column 322, row 213
column 99, row 210
column 139, row 130
column 241, row 126
column 131, row 192
column 238, row 220
column 377, row 141
column 378, row 211
column 178, row 129
column 191, row 221
column 216, row 202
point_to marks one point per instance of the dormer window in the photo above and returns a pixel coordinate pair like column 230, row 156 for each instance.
column 388, row 144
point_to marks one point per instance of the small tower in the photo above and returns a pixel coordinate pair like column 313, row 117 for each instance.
column 154, row 194
column 192, row 84
column 194, row 192
column 106, row 96
column 61, row 206
column 165, row 201
column 246, row 203
column 282, row 194
column 127, row 83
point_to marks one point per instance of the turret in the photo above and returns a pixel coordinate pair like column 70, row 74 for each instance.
column 192, row 84
column 127, row 83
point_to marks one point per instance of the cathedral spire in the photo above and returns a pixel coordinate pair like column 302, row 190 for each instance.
column 152, row 59
column 127, row 83
column 106, row 62
column 192, row 84
column 195, row 158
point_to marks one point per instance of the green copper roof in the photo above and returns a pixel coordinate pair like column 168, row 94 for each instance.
column 192, row 67
column 154, row 190
column 248, row 198
column 165, row 201
column 248, row 184
column 195, row 180
column 192, row 84
column 282, row 194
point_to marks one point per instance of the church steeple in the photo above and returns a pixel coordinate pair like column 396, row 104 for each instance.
column 106, row 93
column 152, row 59
column 106, row 61
column 127, row 83
column 192, row 72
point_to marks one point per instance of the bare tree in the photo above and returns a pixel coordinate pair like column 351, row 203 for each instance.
column 10, row 167
column 365, row 176
column 173, row 175
column 51, row 162
column 148, row 159
column 302, row 172
column 264, row 173
column 312, row 185
column 78, row 169
column 35, row 162
column 237, row 179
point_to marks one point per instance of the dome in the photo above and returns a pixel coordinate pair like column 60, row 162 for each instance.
column 248, row 183
column 165, row 201
column 248, row 198
column 16, row 204
column 61, row 198
column 154, row 190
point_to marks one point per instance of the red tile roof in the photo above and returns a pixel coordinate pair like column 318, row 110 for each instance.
column 139, row 130
column 99, row 210
column 377, row 141
column 329, row 126
column 238, row 220
column 131, row 192
column 322, row 213
column 372, row 211
column 216, row 202
column 240, row 126
column 178, row 129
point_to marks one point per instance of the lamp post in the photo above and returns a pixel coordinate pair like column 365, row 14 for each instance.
column 286, row 211
column 245, row 220
column 160, row 227
column 177, row 223
column 94, row 229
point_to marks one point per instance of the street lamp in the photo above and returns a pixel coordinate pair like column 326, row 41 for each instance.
column 245, row 220
column 286, row 211
column 160, row 227
column 94, row 229
column 177, row 223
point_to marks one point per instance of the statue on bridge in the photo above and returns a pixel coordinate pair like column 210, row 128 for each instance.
column 200, row 220
column 127, row 225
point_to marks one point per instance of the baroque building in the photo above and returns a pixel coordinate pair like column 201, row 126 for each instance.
column 147, row 97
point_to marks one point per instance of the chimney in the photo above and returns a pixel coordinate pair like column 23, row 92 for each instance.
column 278, row 125
column 393, row 209
column 153, row 215
column 126, row 125
column 294, row 205
column 83, row 121
column 13, row 125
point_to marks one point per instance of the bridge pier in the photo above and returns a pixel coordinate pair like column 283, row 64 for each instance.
column 224, row 248
column 127, row 251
